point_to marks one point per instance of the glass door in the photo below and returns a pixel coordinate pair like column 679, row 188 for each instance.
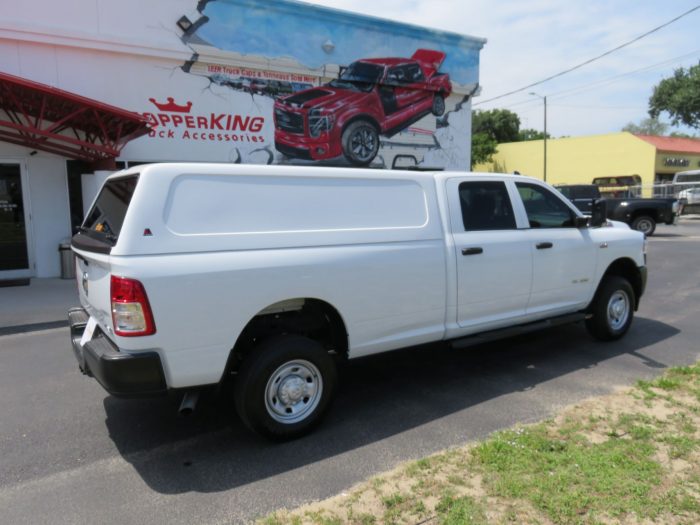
column 14, row 239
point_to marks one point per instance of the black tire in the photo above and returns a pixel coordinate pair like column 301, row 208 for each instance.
column 438, row 108
column 644, row 224
column 254, row 382
column 607, row 323
column 360, row 142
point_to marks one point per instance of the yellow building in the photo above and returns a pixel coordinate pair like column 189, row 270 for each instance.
column 578, row 160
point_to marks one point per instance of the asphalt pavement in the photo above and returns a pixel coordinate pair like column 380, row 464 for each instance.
column 70, row 453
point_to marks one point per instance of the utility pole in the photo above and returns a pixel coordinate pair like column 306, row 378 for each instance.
column 544, row 98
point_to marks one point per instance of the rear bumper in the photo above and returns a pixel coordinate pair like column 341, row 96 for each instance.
column 121, row 374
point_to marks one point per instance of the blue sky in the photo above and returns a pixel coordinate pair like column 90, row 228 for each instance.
column 529, row 40
column 294, row 33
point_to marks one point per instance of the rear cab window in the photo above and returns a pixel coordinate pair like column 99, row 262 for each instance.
column 486, row 206
column 103, row 223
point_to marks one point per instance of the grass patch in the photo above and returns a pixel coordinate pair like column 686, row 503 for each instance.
column 460, row 511
column 630, row 457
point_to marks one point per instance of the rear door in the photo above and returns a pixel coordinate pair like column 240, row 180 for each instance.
column 564, row 257
column 93, row 243
column 493, row 257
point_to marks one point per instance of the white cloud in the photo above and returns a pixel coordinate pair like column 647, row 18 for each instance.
column 533, row 39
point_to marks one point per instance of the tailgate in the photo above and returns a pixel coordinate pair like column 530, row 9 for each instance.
column 94, row 242
column 93, row 275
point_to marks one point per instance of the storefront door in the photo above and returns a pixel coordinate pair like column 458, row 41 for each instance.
column 15, row 245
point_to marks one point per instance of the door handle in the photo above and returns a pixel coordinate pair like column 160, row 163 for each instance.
column 543, row 245
column 472, row 251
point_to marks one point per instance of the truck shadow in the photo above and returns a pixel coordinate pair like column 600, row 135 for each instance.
column 379, row 397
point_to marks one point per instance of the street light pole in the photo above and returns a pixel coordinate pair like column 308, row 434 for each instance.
column 544, row 98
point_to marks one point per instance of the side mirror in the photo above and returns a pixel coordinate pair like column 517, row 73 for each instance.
column 599, row 213
column 581, row 222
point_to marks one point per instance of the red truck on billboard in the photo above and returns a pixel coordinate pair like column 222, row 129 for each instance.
column 371, row 97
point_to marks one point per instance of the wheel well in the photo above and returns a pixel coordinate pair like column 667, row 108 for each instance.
column 646, row 212
column 627, row 269
column 366, row 118
column 308, row 317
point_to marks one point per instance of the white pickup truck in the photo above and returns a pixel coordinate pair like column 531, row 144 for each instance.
column 193, row 275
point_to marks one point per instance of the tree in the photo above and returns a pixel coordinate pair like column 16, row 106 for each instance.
column 499, row 124
column 531, row 134
column 679, row 134
column 647, row 126
column 679, row 96
column 483, row 148
column 488, row 129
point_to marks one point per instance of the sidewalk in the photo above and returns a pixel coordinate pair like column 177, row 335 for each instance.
column 43, row 301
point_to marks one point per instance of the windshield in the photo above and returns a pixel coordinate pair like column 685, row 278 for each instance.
column 105, row 219
column 361, row 76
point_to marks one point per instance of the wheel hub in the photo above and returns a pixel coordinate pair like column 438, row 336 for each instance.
column 291, row 390
column 618, row 309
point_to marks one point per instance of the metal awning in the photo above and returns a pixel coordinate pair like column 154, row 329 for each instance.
column 49, row 119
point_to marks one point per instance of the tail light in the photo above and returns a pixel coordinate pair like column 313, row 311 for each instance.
column 131, row 312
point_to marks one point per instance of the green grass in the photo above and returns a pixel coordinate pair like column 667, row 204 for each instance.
column 635, row 462
column 460, row 511
column 570, row 479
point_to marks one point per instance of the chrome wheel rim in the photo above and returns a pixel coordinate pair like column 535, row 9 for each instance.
column 618, row 309
column 644, row 226
column 293, row 391
column 363, row 143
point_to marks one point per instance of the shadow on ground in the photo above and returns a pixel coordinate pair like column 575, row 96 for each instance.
column 379, row 397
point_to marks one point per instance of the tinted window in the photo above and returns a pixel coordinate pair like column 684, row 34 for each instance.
column 363, row 72
column 414, row 73
column 567, row 191
column 586, row 192
column 544, row 209
column 107, row 215
column 486, row 206
column 687, row 177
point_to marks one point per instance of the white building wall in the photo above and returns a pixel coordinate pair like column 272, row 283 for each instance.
column 50, row 211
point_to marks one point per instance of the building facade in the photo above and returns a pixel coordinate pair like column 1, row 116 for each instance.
column 238, row 81
column 578, row 160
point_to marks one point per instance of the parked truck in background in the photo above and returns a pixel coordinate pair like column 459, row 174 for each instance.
column 266, row 277
column 640, row 214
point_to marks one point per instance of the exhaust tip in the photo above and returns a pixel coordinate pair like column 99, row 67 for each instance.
column 189, row 403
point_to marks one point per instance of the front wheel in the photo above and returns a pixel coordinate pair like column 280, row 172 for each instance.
column 612, row 309
column 644, row 224
column 360, row 142
column 285, row 386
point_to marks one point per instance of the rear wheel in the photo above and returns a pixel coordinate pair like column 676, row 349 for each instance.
column 612, row 309
column 644, row 224
column 360, row 142
column 285, row 386
column 438, row 108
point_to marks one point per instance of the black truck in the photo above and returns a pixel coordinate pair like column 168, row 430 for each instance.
column 641, row 214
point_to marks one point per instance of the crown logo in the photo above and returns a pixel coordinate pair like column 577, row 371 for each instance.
column 171, row 106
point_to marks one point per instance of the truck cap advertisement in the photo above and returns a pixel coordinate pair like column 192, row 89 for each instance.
column 290, row 83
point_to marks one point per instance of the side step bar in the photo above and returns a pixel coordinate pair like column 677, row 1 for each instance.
column 494, row 335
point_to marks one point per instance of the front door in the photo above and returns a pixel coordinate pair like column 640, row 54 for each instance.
column 14, row 239
column 564, row 257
